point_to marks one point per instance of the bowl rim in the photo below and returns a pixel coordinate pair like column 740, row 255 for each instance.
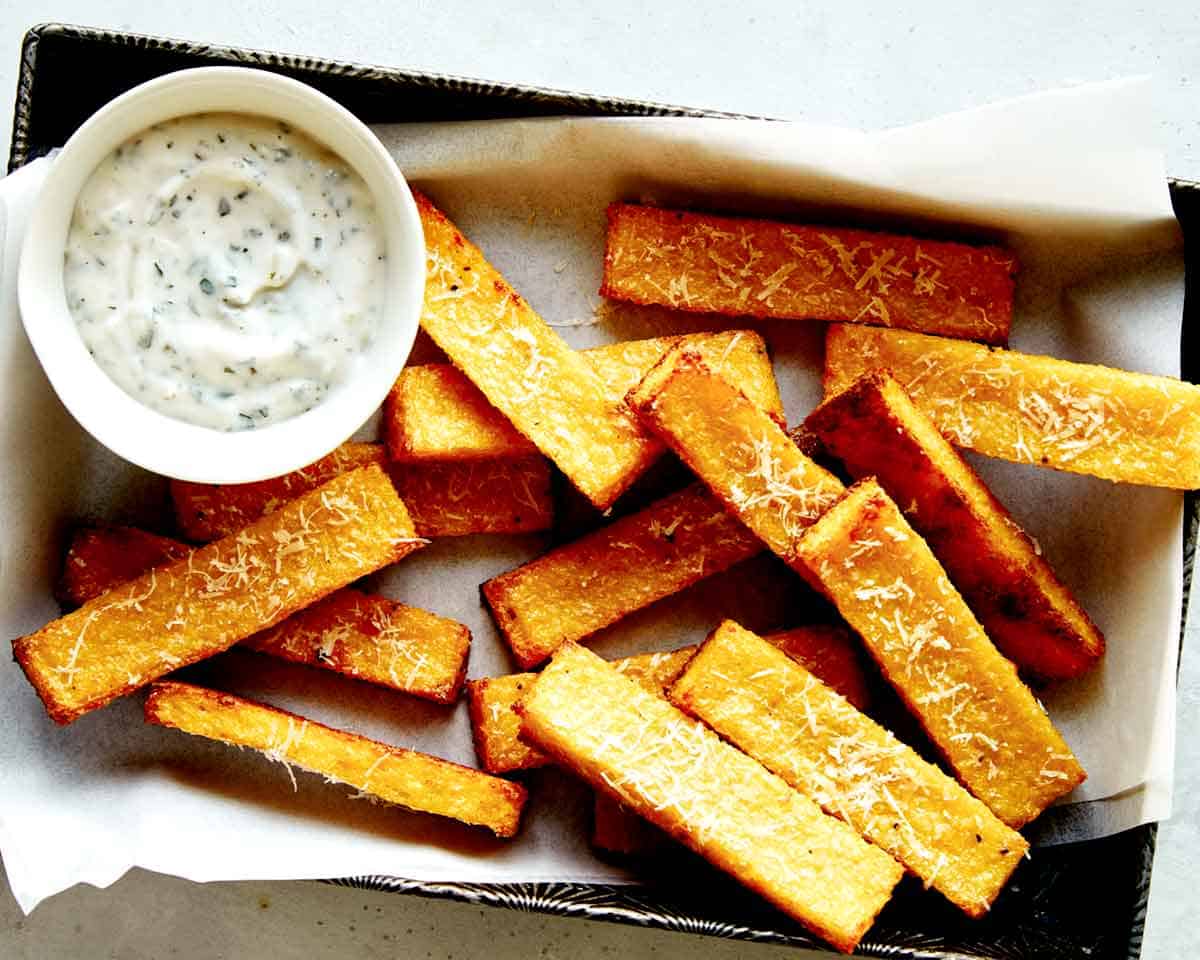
column 135, row 432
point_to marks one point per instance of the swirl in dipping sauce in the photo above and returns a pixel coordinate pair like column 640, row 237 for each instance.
column 225, row 270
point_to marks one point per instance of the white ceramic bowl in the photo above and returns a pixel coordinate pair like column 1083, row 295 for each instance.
column 150, row 439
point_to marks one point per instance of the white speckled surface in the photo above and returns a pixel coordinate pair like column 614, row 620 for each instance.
column 849, row 64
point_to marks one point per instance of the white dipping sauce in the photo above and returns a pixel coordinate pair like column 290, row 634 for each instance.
column 225, row 270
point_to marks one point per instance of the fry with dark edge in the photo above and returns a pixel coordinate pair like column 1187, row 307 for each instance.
column 374, row 639
column 435, row 413
column 889, row 586
column 576, row 589
column 479, row 496
column 768, row 705
column 740, row 453
column 682, row 777
column 219, row 594
column 414, row 780
column 876, row 430
column 99, row 558
column 207, row 512
column 762, row 268
column 358, row 635
column 550, row 393
column 1082, row 418
column 445, row 499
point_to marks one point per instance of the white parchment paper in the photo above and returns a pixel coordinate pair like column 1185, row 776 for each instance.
column 1071, row 179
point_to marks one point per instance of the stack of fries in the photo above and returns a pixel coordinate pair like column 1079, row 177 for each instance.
column 766, row 755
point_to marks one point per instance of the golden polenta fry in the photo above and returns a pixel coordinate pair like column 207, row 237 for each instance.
column 761, row 268
column 829, row 651
column 550, row 393
column 218, row 594
column 684, row 779
column 375, row 639
column 576, row 589
column 740, row 453
column 404, row 777
column 496, row 726
column 100, row 558
column 876, row 430
column 355, row 634
column 1109, row 423
column 454, row 499
column 435, row 413
column 768, row 705
column 209, row 511
column 889, row 586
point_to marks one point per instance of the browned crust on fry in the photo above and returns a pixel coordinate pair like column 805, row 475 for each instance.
column 207, row 512
column 1078, row 417
column 763, row 268
column 876, row 430
column 100, row 558
column 410, row 779
column 890, row 588
column 479, row 496
column 577, row 589
column 782, row 715
column 741, row 454
column 550, row 393
column 676, row 773
column 374, row 639
column 219, row 594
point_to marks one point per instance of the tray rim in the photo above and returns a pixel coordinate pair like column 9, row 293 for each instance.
column 609, row 902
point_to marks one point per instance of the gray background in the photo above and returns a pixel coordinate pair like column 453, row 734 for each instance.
column 851, row 64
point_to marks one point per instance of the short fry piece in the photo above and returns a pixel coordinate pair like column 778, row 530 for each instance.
column 761, row 268
column 740, row 453
column 495, row 726
column 435, row 413
column 889, row 586
column 683, row 778
column 219, row 594
column 413, row 780
column 574, row 590
column 548, row 392
column 375, row 639
column 1109, row 423
column 482, row 496
column 100, row 558
column 207, row 512
column 876, row 430
column 776, row 711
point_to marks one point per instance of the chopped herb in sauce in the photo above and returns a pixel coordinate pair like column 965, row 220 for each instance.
column 289, row 321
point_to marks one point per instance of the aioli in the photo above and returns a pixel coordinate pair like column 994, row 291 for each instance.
column 225, row 270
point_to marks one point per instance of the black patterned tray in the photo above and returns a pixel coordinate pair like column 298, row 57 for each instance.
column 1080, row 900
